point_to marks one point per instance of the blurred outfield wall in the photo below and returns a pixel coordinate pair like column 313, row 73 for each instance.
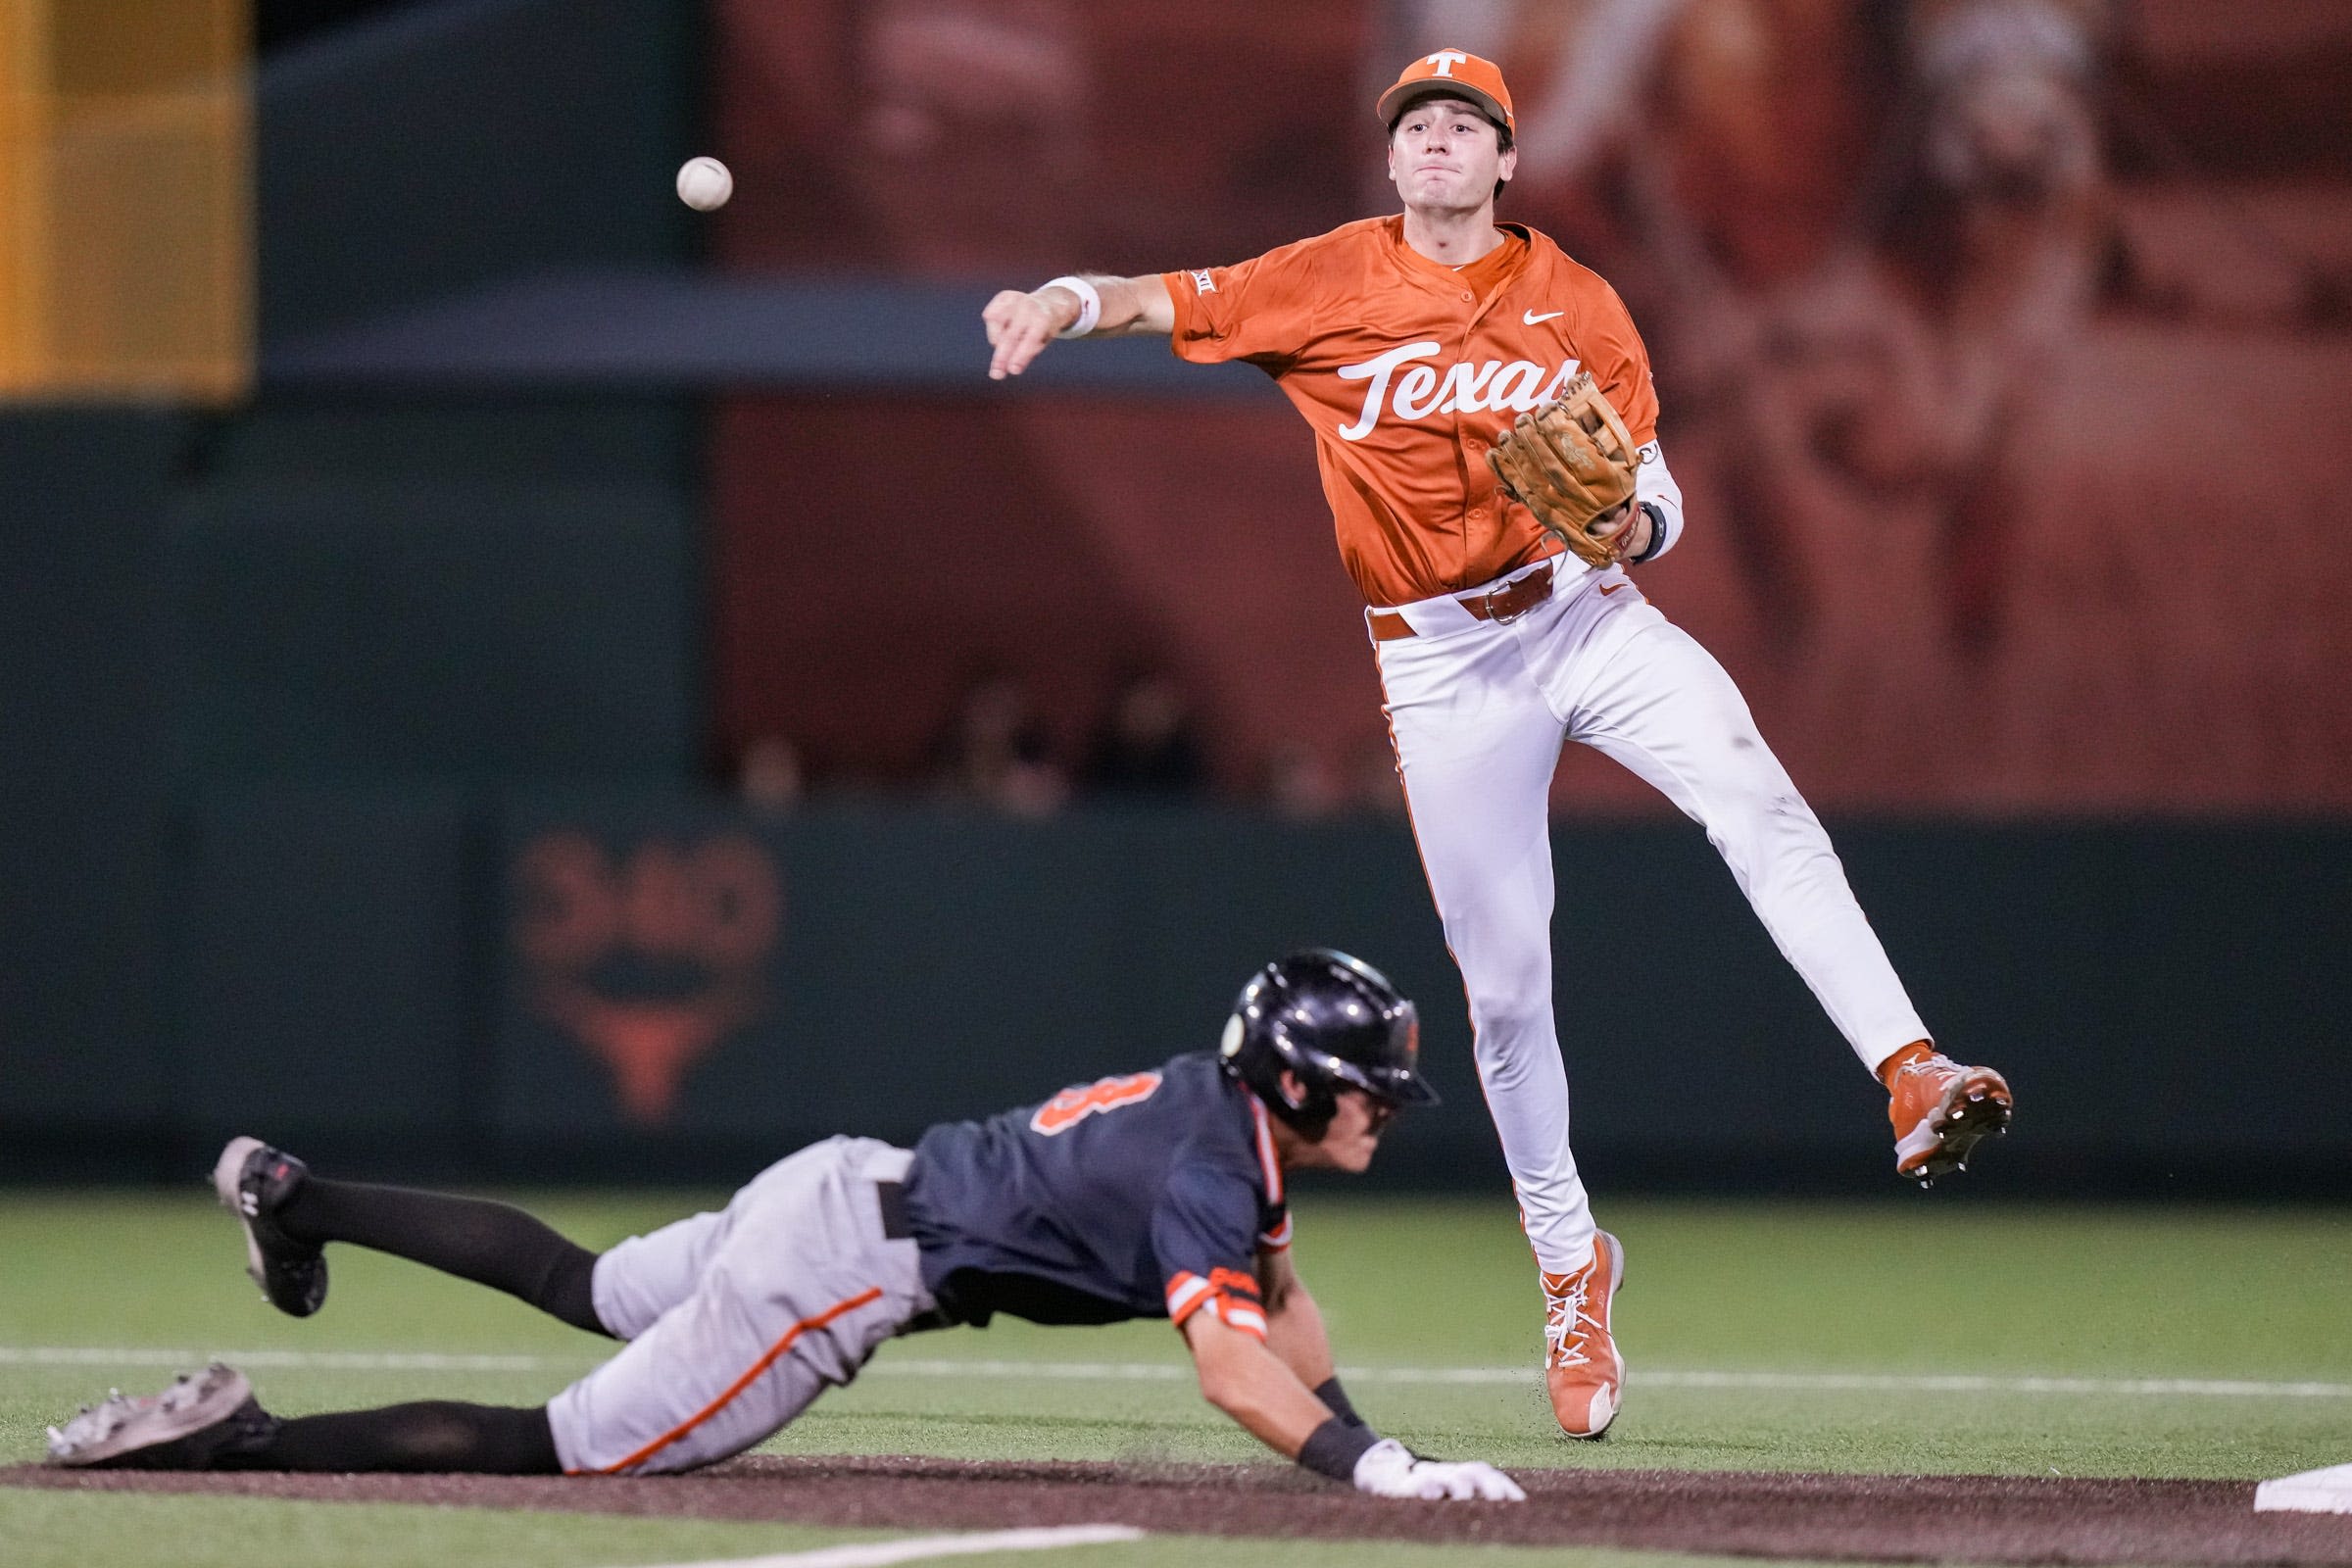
column 356, row 742
column 617, row 985
column 350, row 802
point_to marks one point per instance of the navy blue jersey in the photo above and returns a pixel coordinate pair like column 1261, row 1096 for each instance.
column 1142, row 1196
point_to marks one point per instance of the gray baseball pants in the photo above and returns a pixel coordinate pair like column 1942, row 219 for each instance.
column 737, row 1320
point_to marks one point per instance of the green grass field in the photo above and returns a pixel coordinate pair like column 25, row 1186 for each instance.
column 1759, row 1337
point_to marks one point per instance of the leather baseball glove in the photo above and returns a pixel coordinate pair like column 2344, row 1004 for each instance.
column 1571, row 463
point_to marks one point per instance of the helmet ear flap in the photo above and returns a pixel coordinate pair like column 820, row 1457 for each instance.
column 1311, row 1112
column 1251, row 1057
column 1311, row 1108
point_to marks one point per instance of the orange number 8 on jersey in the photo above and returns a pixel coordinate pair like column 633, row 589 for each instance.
column 1073, row 1105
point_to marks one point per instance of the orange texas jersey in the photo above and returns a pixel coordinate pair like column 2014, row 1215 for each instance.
column 1409, row 368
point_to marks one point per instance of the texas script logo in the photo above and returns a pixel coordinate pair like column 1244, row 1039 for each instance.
column 1520, row 385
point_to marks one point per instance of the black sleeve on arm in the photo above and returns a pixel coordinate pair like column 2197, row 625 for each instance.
column 1334, row 1400
column 1332, row 1448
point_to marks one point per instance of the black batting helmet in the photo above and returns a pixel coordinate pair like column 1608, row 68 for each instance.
column 1336, row 1022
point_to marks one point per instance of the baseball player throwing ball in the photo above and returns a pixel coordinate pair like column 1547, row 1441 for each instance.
column 1487, row 429
column 1156, row 1193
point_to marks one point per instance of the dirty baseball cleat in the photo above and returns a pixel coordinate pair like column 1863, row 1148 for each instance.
column 203, row 1418
column 254, row 1182
column 1941, row 1110
column 1581, row 1365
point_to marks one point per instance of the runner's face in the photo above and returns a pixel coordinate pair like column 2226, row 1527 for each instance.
column 1445, row 156
column 1353, row 1136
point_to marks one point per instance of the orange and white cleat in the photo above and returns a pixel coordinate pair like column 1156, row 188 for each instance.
column 1581, row 1365
column 1941, row 1110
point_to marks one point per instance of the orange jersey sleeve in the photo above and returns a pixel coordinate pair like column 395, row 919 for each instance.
column 1261, row 310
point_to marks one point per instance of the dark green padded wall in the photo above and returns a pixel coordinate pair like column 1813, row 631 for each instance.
column 453, row 145
column 84, row 784
column 418, row 591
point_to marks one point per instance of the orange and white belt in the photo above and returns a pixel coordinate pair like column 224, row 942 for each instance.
column 1500, row 602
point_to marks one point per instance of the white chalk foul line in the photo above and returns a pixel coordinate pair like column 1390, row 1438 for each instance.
column 1969, row 1383
column 1890, row 1382
column 922, row 1548
column 319, row 1360
column 1181, row 1372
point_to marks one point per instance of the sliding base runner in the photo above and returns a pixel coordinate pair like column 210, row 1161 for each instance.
column 1155, row 1194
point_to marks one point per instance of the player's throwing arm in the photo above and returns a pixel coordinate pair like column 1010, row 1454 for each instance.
column 1020, row 326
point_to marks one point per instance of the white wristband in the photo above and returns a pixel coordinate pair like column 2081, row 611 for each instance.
column 1090, row 304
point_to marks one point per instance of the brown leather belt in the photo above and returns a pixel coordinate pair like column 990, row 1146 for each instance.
column 1502, row 605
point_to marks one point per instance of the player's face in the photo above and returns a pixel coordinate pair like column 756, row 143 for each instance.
column 1353, row 1136
column 1445, row 156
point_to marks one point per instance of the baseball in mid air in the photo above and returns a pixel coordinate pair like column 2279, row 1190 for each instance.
column 704, row 184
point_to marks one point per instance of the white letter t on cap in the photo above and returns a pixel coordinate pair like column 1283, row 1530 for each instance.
column 1445, row 60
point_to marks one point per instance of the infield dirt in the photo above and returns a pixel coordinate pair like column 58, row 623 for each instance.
column 1975, row 1519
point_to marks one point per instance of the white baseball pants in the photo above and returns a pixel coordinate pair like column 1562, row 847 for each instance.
column 737, row 1320
column 1478, row 711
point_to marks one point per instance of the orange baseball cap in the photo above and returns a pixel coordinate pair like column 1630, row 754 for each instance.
column 1450, row 72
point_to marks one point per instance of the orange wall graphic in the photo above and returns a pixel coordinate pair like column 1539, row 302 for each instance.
column 2002, row 344
column 644, row 953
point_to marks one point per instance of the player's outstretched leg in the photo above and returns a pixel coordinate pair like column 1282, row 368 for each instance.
column 1478, row 745
column 1702, row 751
column 209, row 1420
column 289, row 1215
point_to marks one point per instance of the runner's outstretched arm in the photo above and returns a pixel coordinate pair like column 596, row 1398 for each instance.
column 1249, row 1383
column 1244, row 1378
column 1293, row 1323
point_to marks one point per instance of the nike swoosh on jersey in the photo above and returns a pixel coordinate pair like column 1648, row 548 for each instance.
column 1609, row 588
column 1530, row 317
